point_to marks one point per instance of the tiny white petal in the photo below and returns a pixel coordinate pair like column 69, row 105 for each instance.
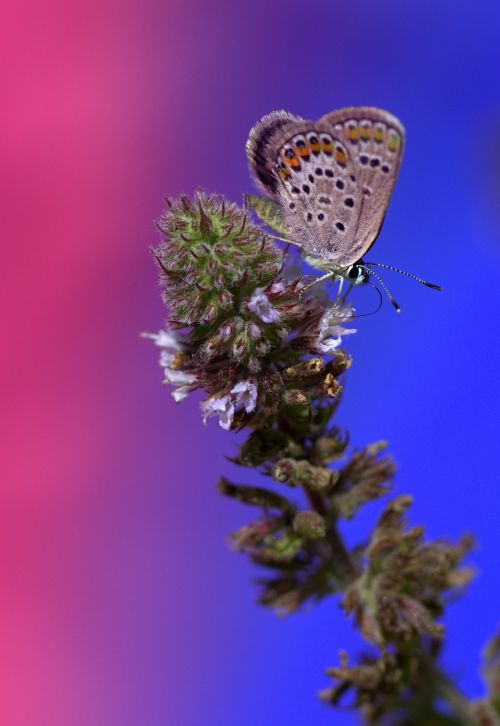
column 330, row 331
column 329, row 345
column 178, row 378
column 166, row 359
column 261, row 307
column 179, row 394
column 185, row 382
column 276, row 288
column 222, row 407
column 245, row 394
column 226, row 417
column 169, row 343
column 168, row 340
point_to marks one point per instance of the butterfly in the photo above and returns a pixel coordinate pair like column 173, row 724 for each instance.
column 328, row 184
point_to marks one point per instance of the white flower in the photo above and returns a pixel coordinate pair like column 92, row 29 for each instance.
column 185, row 382
column 330, row 330
column 222, row 407
column 181, row 392
column 178, row 378
column 169, row 344
column 167, row 340
column 242, row 395
column 166, row 358
column 245, row 396
column 261, row 307
column 276, row 288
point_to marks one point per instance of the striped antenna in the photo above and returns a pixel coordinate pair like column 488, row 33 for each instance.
column 384, row 287
column 406, row 274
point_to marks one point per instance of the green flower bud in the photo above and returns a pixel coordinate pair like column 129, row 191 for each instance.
column 210, row 252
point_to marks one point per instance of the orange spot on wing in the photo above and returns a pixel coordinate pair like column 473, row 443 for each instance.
column 394, row 143
column 364, row 133
column 290, row 161
column 341, row 157
column 304, row 151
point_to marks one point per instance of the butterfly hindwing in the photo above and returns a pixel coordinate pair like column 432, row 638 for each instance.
column 269, row 211
column 375, row 139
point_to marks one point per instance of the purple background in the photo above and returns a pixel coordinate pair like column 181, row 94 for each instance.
column 121, row 604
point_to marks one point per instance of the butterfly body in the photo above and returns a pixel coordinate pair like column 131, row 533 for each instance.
column 328, row 182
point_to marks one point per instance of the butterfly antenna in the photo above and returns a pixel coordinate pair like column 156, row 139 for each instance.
column 384, row 287
column 407, row 274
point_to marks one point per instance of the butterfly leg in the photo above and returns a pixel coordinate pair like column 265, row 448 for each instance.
column 341, row 285
column 314, row 282
column 343, row 299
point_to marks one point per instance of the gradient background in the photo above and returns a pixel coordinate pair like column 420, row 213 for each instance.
column 120, row 604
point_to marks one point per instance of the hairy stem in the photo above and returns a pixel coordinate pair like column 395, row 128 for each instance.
column 340, row 556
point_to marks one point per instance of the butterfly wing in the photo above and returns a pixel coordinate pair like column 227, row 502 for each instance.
column 261, row 142
column 269, row 211
column 308, row 171
column 375, row 139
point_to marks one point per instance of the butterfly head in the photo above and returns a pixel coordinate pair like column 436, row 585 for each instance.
column 356, row 274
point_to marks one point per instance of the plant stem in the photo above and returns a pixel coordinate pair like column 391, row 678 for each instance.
column 340, row 556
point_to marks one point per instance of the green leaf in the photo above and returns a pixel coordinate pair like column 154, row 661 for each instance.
column 256, row 496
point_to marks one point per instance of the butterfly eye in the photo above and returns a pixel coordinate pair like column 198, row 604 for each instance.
column 356, row 274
